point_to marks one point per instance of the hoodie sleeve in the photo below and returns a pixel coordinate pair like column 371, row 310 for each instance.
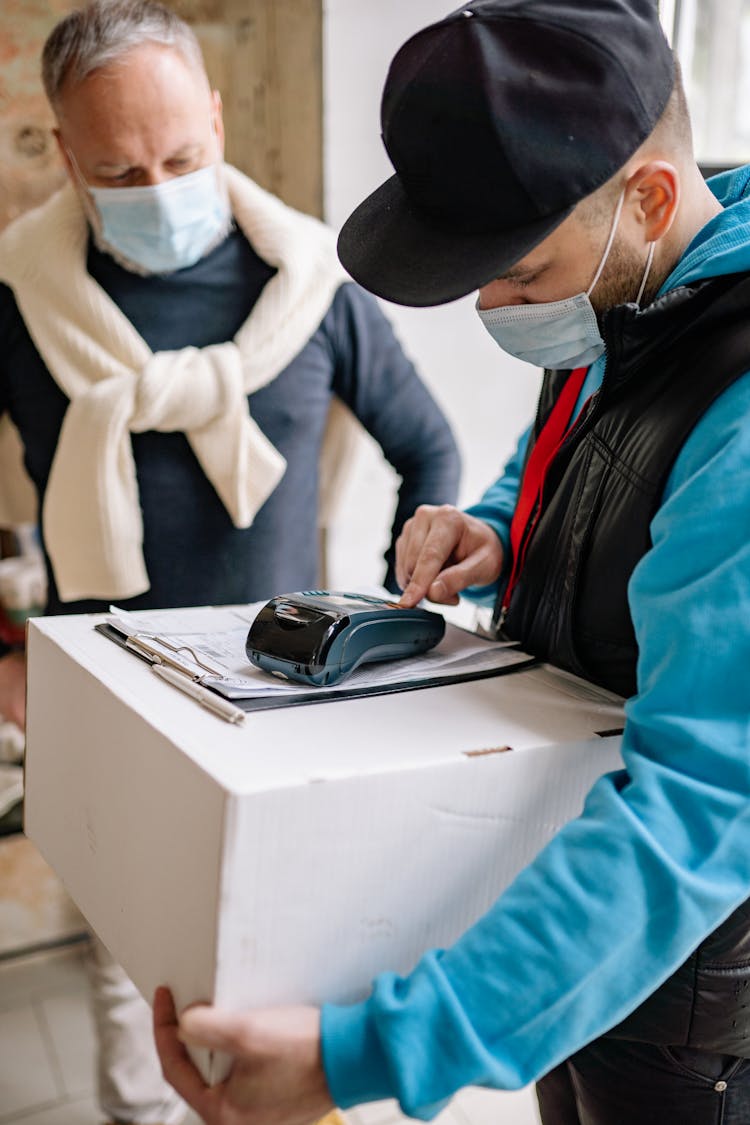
column 496, row 509
column 659, row 857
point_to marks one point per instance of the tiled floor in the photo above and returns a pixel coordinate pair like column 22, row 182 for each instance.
column 47, row 1047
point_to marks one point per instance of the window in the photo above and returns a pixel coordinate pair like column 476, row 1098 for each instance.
column 712, row 41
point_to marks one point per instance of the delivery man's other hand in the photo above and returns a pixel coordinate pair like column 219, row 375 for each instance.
column 442, row 551
column 277, row 1077
column 13, row 688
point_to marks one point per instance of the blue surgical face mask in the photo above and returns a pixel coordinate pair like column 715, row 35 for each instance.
column 556, row 334
column 163, row 227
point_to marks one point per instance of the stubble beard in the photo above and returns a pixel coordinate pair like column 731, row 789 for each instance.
column 621, row 280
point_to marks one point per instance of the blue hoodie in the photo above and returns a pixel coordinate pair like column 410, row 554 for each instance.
column 569, row 950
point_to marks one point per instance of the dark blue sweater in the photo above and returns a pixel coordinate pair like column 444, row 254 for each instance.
column 193, row 552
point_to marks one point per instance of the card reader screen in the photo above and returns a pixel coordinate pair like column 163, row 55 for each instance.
column 293, row 632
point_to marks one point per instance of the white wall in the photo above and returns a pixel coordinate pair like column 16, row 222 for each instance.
column 488, row 397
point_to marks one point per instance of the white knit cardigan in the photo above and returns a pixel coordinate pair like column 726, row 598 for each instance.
column 116, row 385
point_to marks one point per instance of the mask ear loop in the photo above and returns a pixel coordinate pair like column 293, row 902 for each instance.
column 610, row 240
column 76, row 169
column 647, row 271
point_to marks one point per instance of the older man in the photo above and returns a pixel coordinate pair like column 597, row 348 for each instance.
column 543, row 156
column 173, row 339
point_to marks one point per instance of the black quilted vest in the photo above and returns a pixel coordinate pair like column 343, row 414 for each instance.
column 665, row 366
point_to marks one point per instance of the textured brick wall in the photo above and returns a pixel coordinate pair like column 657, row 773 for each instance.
column 29, row 165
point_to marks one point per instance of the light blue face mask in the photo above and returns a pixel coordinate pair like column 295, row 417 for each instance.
column 163, row 227
column 557, row 334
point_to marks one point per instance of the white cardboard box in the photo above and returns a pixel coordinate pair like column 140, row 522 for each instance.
column 293, row 858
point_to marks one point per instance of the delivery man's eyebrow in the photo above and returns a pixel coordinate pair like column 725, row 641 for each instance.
column 523, row 273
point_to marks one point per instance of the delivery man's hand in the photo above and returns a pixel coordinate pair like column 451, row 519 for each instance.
column 277, row 1077
column 442, row 551
column 13, row 688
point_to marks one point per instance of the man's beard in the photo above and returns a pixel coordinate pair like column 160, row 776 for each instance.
column 621, row 279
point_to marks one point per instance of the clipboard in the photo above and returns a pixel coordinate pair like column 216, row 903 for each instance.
column 155, row 649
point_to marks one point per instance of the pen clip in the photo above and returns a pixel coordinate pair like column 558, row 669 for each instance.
column 212, row 669
column 157, row 657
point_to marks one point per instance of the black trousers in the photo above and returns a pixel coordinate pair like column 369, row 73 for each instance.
column 617, row 1082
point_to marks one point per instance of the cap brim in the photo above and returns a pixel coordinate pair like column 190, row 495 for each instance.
column 394, row 252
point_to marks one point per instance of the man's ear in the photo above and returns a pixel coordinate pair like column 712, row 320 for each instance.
column 654, row 188
column 217, row 117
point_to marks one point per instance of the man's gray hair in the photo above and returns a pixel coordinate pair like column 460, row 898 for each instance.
column 105, row 30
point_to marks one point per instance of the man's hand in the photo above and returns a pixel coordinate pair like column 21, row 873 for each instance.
column 277, row 1077
column 441, row 551
column 13, row 688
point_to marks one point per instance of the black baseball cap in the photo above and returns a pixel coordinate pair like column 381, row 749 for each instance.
column 498, row 120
